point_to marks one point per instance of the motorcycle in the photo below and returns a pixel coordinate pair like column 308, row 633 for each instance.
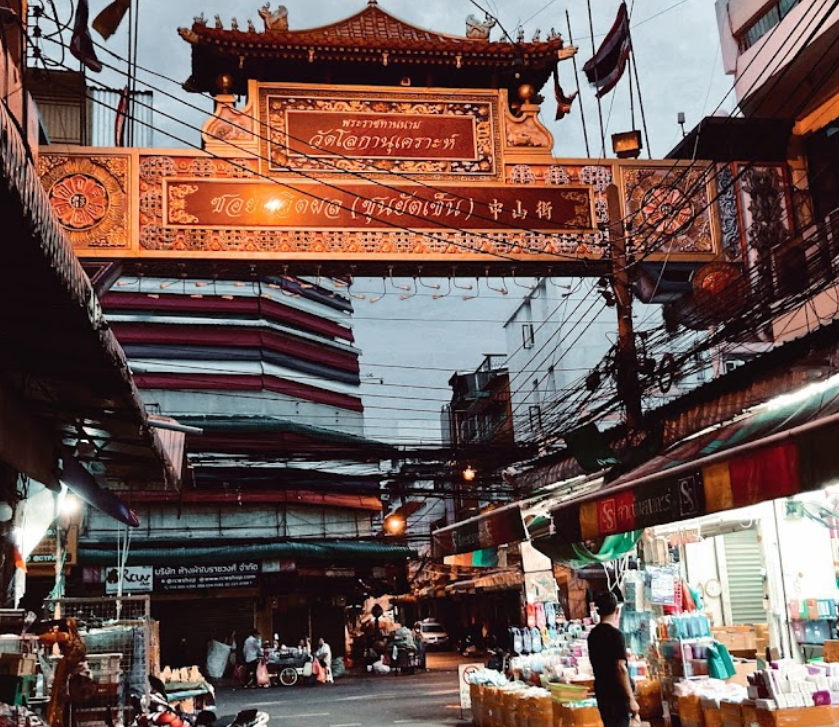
column 158, row 711
column 467, row 646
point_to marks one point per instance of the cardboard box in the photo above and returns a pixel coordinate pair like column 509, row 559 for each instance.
column 743, row 669
column 831, row 651
column 736, row 638
column 799, row 717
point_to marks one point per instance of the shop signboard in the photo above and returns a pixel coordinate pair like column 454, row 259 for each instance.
column 490, row 530
column 42, row 559
column 246, row 204
column 135, row 579
column 463, row 673
column 192, row 577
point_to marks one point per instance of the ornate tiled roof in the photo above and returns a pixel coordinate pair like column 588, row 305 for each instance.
column 373, row 30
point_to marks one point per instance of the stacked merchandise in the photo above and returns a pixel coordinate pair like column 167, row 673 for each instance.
column 497, row 702
column 708, row 702
column 637, row 614
column 541, row 631
column 788, row 685
column 814, row 619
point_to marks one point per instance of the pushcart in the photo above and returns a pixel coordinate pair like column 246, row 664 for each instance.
column 286, row 667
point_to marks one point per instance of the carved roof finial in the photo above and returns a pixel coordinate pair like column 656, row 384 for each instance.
column 274, row 19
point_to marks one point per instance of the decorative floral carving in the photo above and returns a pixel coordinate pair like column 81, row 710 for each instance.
column 177, row 204
column 79, row 201
column 729, row 217
column 667, row 210
column 88, row 196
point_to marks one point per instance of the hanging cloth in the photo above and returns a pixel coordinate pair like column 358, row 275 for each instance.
column 720, row 663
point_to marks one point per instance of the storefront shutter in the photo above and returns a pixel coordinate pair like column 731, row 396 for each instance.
column 198, row 621
column 744, row 564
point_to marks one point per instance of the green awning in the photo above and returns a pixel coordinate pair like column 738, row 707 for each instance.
column 335, row 551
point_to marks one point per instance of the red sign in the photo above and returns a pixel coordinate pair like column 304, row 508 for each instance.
column 497, row 527
column 380, row 136
column 369, row 206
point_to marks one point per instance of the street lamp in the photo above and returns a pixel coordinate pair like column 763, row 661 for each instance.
column 469, row 474
column 394, row 524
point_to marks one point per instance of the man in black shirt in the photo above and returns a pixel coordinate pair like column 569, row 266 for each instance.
column 607, row 651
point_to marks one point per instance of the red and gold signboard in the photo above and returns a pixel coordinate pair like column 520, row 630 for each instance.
column 249, row 204
column 380, row 136
column 436, row 132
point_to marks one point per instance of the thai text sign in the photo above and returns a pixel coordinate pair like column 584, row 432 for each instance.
column 249, row 204
column 380, row 136
column 190, row 577
column 497, row 527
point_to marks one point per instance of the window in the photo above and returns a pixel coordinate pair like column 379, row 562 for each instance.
column 771, row 17
column 528, row 335
column 535, row 414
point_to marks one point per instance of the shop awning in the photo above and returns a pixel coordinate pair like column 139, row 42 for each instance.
column 494, row 582
column 63, row 367
column 787, row 446
column 488, row 530
column 336, row 551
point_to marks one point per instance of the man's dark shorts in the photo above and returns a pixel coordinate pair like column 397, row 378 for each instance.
column 614, row 715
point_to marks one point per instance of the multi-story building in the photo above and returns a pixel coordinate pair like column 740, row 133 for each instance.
column 70, row 414
column 278, row 519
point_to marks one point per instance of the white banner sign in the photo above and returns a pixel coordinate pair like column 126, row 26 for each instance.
column 463, row 672
column 135, row 579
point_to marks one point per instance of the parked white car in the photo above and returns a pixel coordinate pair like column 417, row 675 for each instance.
column 431, row 633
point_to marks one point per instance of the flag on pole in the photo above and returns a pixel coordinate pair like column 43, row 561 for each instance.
column 122, row 114
column 606, row 67
column 81, row 44
column 563, row 102
column 109, row 19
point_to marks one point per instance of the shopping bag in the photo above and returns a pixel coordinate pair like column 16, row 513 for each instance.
column 307, row 669
column 262, row 677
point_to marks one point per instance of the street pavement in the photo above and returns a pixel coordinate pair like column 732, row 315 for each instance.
column 428, row 698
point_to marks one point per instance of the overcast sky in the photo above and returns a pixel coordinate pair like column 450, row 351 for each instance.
column 678, row 57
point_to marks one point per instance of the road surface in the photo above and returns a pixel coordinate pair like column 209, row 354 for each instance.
column 423, row 699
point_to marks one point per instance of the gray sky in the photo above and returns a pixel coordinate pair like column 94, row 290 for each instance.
column 678, row 56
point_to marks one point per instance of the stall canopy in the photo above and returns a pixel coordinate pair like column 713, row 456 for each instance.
column 786, row 446
column 488, row 530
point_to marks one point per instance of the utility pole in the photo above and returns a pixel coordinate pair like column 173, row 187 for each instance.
column 629, row 390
